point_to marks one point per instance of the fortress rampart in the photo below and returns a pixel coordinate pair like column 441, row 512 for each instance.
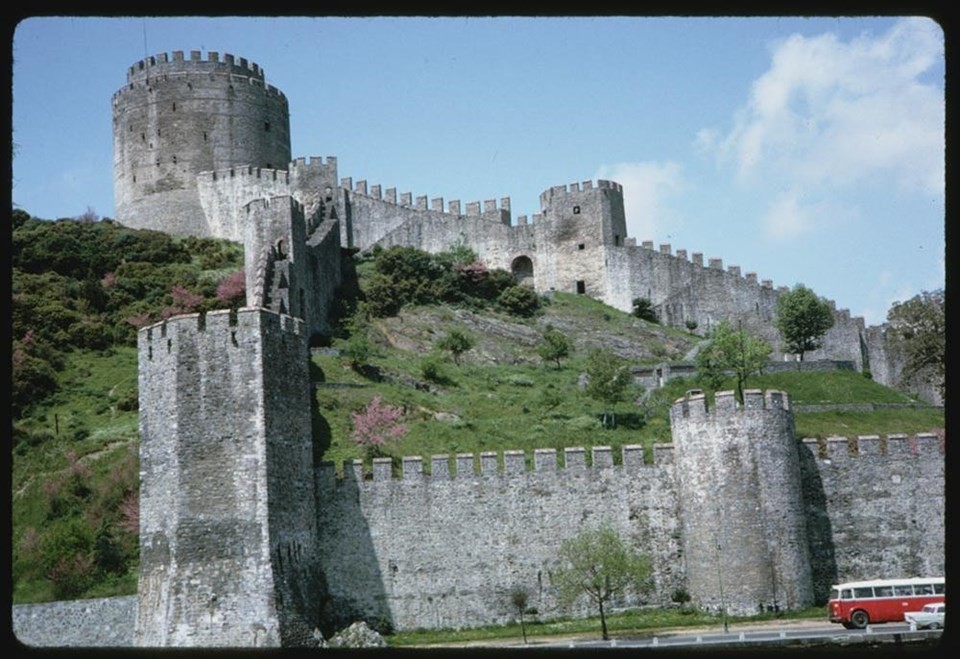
column 247, row 539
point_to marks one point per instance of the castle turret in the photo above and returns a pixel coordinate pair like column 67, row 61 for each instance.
column 178, row 117
column 579, row 225
column 228, row 529
column 744, row 532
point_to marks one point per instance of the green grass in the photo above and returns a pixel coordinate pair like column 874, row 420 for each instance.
column 508, row 407
column 633, row 623
column 878, row 422
column 833, row 387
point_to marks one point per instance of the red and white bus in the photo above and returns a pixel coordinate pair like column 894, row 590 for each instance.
column 857, row 604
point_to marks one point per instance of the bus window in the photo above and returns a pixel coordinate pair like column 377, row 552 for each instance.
column 859, row 593
column 903, row 591
column 939, row 588
column 883, row 591
column 923, row 589
column 847, row 594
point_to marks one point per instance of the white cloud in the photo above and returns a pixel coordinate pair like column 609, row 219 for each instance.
column 791, row 216
column 785, row 219
column 647, row 187
column 832, row 113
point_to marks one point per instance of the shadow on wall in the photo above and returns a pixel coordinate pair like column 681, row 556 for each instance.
column 823, row 561
column 351, row 589
column 353, row 584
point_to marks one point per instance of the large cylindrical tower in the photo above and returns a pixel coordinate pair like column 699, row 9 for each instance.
column 744, row 531
column 177, row 117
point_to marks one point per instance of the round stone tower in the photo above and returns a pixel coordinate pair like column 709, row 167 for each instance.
column 744, row 531
column 178, row 117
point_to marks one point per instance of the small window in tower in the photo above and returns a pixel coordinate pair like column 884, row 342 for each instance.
column 143, row 137
column 204, row 136
column 174, row 160
column 134, row 178
column 189, row 85
column 174, row 107
column 581, row 287
column 616, row 239
column 581, row 246
column 158, row 162
column 576, row 210
column 328, row 198
column 158, row 132
column 266, row 126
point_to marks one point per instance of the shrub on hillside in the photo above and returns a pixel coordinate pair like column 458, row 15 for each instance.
column 519, row 300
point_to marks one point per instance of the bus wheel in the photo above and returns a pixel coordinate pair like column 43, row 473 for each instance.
column 859, row 619
column 934, row 625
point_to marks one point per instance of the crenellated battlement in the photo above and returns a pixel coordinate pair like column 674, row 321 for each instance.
column 423, row 202
column 315, row 163
column 716, row 263
column 175, row 62
column 557, row 193
column 248, row 172
column 838, row 449
column 696, row 258
column 466, row 466
column 694, row 404
column 173, row 68
column 222, row 320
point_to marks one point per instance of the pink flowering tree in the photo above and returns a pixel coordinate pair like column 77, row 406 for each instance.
column 232, row 290
column 183, row 302
column 376, row 426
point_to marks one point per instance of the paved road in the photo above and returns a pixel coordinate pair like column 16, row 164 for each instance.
column 783, row 634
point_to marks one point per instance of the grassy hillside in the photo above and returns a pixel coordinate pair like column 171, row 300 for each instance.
column 75, row 469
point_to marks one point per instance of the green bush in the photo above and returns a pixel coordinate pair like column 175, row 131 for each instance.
column 431, row 370
column 519, row 300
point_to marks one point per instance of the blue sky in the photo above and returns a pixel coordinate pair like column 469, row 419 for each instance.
column 807, row 150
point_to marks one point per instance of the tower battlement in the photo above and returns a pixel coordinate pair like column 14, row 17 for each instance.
column 694, row 404
column 557, row 193
column 164, row 63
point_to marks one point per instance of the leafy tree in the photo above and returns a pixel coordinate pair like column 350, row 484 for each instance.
column 519, row 300
column 802, row 318
column 598, row 564
column 609, row 376
column 519, row 597
column 457, row 343
column 731, row 350
column 357, row 348
column 377, row 425
column 643, row 309
column 554, row 346
column 918, row 329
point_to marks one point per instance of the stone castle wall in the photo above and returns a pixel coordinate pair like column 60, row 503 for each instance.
column 875, row 507
column 444, row 549
column 101, row 622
